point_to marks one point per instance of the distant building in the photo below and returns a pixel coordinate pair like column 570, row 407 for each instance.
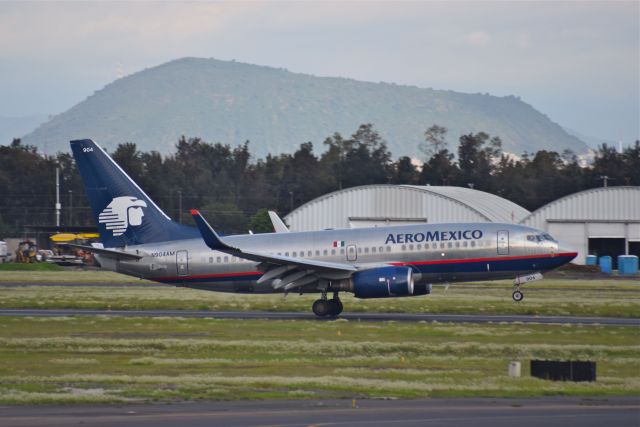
column 601, row 221
column 381, row 205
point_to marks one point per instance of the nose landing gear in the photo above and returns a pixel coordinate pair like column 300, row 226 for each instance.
column 517, row 295
column 327, row 307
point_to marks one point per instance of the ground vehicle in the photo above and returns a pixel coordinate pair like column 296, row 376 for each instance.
column 4, row 253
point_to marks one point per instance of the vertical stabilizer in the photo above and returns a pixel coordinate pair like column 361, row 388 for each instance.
column 124, row 213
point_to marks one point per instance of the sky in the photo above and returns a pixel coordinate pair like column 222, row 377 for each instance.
column 578, row 62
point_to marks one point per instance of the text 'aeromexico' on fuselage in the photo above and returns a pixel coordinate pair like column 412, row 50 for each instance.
column 140, row 240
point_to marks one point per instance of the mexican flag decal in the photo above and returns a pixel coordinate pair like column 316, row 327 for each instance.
column 338, row 243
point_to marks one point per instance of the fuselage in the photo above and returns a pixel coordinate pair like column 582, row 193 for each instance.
column 459, row 252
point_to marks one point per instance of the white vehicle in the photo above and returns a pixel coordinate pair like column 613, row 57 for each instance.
column 4, row 254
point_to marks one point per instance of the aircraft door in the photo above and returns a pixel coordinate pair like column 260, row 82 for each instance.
column 352, row 253
column 182, row 263
column 503, row 242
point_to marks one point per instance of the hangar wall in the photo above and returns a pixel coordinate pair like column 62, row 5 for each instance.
column 600, row 221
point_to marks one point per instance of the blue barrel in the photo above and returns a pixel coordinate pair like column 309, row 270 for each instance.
column 605, row 264
column 627, row 265
column 592, row 260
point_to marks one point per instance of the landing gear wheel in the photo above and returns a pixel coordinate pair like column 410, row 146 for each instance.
column 335, row 307
column 517, row 296
column 321, row 307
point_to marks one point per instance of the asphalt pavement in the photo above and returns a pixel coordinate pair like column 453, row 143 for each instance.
column 475, row 412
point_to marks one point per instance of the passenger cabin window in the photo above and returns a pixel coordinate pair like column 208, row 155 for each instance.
column 449, row 245
column 317, row 253
column 411, row 247
column 457, row 244
column 309, row 253
column 404, row 247
column 226, row 259
column 218, row 260
column 473, row 244
column 286, row 254
column 294, row 254
column 373, row 250
column 333, row 251
column 419, row 246
column 359, row 250
column 342, row 251
column 465, row 244
column 388, row 248
column 210, row 260
column 325, row 252
column 366, row 250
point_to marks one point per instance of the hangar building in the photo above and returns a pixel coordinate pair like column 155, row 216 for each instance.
column 600, row 221
column 380, row 205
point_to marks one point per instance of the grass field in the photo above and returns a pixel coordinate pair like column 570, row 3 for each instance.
column 103, row 359
column 549, row 297
column 112, row 359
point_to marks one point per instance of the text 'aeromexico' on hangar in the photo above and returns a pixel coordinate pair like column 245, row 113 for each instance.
column 601, row 221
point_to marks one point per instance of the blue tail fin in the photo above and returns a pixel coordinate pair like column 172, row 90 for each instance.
column 124, row 213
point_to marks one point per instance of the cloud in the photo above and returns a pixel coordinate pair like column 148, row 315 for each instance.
column 478, row 38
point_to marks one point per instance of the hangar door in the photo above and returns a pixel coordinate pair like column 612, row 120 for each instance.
column 611, row 246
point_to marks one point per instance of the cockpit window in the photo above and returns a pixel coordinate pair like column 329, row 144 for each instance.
column 540, row 237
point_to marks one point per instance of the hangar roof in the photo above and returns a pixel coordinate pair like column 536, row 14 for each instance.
column 621, row 203
column 493, row 208
column 408, row 203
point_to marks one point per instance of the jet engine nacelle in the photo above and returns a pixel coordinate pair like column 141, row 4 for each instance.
column 383, row 282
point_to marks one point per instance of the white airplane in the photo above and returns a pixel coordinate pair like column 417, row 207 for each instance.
column 140, row 240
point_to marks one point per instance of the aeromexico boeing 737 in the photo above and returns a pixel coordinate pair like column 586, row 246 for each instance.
column 138, row 239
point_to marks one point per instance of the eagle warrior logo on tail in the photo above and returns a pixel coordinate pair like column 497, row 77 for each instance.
column 121, row 213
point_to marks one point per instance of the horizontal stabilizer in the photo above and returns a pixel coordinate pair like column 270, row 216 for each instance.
column 109, row 253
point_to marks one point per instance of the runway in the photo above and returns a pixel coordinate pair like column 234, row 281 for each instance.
column 565, row 412
column 365, row 317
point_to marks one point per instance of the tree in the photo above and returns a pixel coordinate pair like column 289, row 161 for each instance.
column 631, row 159
column 225, row 217
column 405, row 172
column 260, row 222
column 476, row 156
column 435, row 141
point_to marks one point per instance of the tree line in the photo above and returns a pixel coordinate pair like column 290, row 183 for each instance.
column 234, row 191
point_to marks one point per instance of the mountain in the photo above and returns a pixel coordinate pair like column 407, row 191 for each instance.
column 591, row 141
column 230, row 102
column 16, row 127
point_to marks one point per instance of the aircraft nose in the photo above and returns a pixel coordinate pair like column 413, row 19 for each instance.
column 567, row 252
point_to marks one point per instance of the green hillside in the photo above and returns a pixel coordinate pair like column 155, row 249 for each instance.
column 277, row 110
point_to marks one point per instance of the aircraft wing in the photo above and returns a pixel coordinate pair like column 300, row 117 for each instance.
column 287, row 272
column 109, row 253
column 278, row 225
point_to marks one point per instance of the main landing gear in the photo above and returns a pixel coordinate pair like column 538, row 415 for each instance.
column 327, row 307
